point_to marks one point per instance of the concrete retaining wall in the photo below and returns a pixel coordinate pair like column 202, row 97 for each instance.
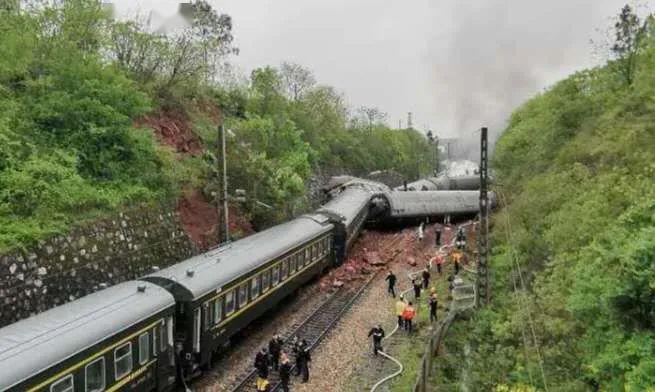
column 106, row 252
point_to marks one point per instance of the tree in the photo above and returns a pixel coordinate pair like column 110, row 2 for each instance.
column 213, row 32
column 372, row 115
column 628, row 32
column 297, row 80
column 266, row 92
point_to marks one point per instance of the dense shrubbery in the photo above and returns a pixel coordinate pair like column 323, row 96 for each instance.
column 73, row 82
column 575, row 166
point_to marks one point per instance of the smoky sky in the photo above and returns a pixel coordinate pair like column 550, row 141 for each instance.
column 456, row 65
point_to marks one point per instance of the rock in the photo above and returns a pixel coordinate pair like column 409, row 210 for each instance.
column 13, row 268
column 42, row 271
column 373, row 258
column 412, row 261
column 337, row 283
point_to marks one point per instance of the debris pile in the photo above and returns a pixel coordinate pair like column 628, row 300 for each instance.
column 376, row 250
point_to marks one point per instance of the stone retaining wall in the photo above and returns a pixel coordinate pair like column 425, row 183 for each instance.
column 89, row 258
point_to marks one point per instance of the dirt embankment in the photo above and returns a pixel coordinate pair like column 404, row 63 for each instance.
column 199, row 216
column 200, row 220
column 173, row 128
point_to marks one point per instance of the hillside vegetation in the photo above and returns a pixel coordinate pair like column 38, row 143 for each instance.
column 576, row 171
column 74, row 82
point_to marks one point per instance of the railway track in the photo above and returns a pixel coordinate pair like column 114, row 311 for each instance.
column 314, row 328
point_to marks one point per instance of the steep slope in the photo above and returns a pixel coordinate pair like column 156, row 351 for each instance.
column 576, row 170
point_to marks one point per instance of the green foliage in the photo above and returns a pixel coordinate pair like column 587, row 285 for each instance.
column 575, row 172
column 68, row 150
column 73, row 82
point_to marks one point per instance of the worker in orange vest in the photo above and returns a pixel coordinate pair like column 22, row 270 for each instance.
column 457, row 257
column 400, row 308
column 408, row 316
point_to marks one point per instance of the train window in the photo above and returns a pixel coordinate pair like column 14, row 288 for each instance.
column 266, row 280
column 94, row 376
column 196, row 330
column 300, row 259
column 123, row 361
column 162, row 337
column 254, row 287
column 243, row 294
column 144, row 348
column 218, row 305
column 308, row 256
column 229, row 302
column 292, row 263
column 275, row 275
column 154, row 340
column 207, row 309
column 284, row 268
column 63, row 385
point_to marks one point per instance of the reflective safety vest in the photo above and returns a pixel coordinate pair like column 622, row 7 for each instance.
column 409, row 313
column 400, row 308
column 262, row 384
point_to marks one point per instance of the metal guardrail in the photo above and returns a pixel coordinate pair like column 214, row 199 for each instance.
column 464, row 296
column 431, row 351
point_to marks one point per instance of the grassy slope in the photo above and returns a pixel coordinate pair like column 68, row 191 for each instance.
column 576, row 171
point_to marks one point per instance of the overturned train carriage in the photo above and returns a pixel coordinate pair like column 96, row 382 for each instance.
column 395, row 207
column 120, row 338
column 443, row 183
column 220, row 292
column 349, row 211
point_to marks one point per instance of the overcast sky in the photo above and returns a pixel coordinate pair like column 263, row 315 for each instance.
column 455, row 64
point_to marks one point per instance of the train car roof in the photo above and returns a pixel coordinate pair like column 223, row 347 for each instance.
column 201, row 274
column 30, row 346
column 425, row 184
column 348, row 204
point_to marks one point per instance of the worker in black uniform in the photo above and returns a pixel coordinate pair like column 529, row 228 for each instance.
column 460, row 240
column 432, row 301
column 296, row 353
column 285, row 371
column 303, row 358
column 426, row 278
column 378, row 333
column 274, row 347
column 391, row 279
column 417, row 288
column 261, row 364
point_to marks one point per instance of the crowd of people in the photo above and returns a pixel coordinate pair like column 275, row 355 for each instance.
column 405, row 310
column 276, row 358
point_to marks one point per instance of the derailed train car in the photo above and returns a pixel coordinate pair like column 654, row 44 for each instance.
column 404, row 207
column 443, row 183
column 145, row 335
column 349, row 212
column 120, row 338
column 220, row 292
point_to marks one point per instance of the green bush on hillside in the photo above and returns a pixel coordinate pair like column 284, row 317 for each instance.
column 575, row 168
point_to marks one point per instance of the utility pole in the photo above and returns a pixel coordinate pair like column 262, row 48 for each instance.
column 484, row 290
column 409, row 120
column 436, row 154
column 400, row 124
column 223, row 227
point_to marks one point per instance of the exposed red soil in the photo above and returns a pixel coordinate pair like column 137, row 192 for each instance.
column 403, row 247
column 173, row 128
column 199, row 219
